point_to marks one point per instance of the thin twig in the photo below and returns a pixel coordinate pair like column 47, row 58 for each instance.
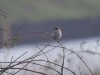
column 22, row 68
column 8, row 67
column 79, row 70
column 63, row 58
column 18, row 30
column 81, row 60
column 6, row 14
column 26, row 70
column 43, row 53
column 43, row 61
column 47, row 67
column 77, row 56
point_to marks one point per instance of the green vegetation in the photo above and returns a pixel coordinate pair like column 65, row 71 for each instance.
column 36, row 10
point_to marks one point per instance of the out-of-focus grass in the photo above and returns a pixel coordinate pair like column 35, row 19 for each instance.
column 97, row 73
column 50, row 9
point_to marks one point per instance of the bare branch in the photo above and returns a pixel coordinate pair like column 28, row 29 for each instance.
column 26, row 70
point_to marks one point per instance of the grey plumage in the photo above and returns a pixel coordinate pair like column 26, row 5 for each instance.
column 57, row 34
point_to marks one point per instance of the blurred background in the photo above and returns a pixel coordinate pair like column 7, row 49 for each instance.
column 78, row 19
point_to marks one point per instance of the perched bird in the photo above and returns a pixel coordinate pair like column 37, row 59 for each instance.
column 57, row 34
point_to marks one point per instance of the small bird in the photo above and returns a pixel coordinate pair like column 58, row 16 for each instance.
column 57, row 34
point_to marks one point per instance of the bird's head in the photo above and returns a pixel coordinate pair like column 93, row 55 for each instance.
column 56, row 28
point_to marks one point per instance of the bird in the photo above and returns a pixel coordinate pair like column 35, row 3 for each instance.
column 57, row 33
